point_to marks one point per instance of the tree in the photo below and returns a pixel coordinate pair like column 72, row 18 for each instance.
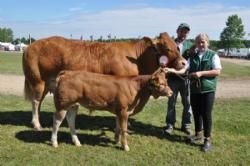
column 23, row 40
column 214, row 44
column 6, row 35
column 233, row 33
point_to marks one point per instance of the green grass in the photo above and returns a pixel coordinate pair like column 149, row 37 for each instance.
column 11, row 63
column 231, row 70
column 21, row 145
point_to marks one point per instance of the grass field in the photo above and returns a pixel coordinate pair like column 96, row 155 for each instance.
column 21, row 145
column 11, row 63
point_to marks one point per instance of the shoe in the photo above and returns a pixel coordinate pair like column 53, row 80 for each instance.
column 169, row 129
column 196, row 138
column 207, row 145
column 187, row 130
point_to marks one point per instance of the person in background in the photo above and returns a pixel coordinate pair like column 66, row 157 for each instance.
column 179, row 84
column 204, row 66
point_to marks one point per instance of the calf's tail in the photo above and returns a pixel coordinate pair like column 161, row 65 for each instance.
column 59, row 76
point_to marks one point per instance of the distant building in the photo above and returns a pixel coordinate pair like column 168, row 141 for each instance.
column 235, row 52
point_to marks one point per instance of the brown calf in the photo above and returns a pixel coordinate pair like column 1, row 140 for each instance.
column 118, row 94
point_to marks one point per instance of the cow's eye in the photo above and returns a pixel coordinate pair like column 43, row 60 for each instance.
column 168, row 50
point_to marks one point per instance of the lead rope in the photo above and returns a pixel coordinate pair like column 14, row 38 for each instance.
column 196, row 80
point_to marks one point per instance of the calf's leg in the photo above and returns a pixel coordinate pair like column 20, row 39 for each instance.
column 123, row 121
column 71, row 118
column 117, row 130
column 57, row 120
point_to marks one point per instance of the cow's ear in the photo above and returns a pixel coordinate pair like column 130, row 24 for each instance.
column 149, row 41
column 164, row 35
column 152, row 42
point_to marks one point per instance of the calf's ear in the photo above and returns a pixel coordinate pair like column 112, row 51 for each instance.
column 154, row 81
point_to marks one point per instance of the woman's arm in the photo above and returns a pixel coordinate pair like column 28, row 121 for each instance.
column 208, row 73
column 172, row 70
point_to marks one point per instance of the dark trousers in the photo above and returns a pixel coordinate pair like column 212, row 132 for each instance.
column 182, row 87
column 202, row 105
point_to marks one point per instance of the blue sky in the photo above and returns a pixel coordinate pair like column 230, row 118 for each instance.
column 120, row 18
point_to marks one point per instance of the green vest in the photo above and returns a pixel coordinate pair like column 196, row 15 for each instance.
column 186, row 45
column 204, row 84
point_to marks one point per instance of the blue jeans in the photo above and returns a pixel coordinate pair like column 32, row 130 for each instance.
column 179, row 86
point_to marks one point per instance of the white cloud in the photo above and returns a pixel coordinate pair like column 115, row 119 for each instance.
column 205, row 18
column 74, row 9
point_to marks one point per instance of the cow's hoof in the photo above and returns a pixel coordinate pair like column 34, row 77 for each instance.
column 55, row 145
column 39, row 128
column 126, row 148
column 77, row 144
column 117, row 140
column 76, row 141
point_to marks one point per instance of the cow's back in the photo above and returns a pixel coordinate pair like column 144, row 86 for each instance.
column 49, row 56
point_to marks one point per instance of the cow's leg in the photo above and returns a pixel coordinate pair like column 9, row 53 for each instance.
column 39, row 94
column 71, row 118
column 57, row 120
column 123, row 121
column 117, row 130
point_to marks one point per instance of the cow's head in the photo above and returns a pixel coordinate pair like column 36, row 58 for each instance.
column 166, row 46
column 158, row 84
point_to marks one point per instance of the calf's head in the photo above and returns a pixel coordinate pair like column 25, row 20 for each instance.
column 158, row 85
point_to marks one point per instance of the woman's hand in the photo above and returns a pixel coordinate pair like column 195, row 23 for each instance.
column 196, row 74
column 169, row 70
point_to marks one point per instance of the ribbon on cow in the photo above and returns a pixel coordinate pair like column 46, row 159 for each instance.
column 163, row 60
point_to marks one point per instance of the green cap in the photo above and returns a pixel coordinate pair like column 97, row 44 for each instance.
column 184, row 26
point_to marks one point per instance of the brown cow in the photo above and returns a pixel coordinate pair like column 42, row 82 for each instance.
column 45, row 58
column 116, row 94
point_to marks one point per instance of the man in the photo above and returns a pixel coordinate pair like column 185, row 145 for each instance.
column 179, row 83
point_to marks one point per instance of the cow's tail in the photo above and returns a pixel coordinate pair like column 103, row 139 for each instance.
column 28, row 93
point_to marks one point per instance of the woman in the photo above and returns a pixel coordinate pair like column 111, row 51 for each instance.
column 204, row 66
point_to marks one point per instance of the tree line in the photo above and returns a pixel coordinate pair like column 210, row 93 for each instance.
column 6, row 35
column 231, row 36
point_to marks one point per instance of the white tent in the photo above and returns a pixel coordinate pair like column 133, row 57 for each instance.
column 7, row 46
column 20, row 47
